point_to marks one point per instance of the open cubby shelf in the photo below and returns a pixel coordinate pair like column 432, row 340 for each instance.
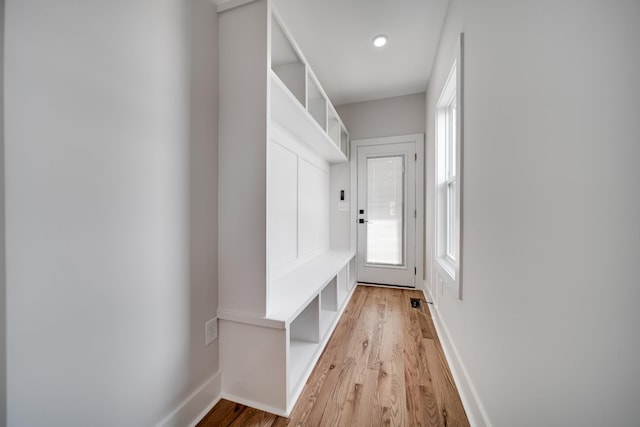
column 287, row 65
column 333, row 127
column 290, row 294
column 300, row 353
column 303, row 350
column 316, row 102
column 326, row 318
column 296, row 91
column 298, row 121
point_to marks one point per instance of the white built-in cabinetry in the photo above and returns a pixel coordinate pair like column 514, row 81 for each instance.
column 286, row 261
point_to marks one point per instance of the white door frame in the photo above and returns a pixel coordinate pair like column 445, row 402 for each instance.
column 418, row 139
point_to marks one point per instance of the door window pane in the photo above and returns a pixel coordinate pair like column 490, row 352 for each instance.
column 385, row 210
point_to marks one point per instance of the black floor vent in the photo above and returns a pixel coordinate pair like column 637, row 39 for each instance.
column 415, row 302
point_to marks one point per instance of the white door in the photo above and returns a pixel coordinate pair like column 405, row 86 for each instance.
column 386, row 213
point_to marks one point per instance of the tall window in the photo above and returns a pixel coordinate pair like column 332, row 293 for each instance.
column 448, row 188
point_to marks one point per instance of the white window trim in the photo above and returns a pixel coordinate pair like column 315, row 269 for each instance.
column 452, row 92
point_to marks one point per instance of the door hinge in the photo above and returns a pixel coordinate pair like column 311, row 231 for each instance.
column 416, row 156
column 415, row 213
column 415, row 271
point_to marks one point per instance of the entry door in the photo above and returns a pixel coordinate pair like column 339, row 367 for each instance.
column 386, row 214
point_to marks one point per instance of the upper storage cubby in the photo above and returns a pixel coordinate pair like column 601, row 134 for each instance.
column 286, row 63
column 316, row 102
column 333, row 127
column 297, row 101
column 344, row 141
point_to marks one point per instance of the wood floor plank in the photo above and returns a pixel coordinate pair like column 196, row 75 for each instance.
column 424, row 322
column 385, row 360
column 383, row 366
column 366, row 412
column 420, row 412
column 222, row 414
column 358, row 299
column 398, row 389
column 377, row 338
column 326, row 408
column 430, row 406
column 284, row 422
column 251, row 417
column 444, row 388
column 386, row 417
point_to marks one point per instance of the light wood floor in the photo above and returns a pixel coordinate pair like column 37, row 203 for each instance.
column 383, row 366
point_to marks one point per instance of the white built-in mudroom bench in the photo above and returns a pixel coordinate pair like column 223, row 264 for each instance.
column 286, row 257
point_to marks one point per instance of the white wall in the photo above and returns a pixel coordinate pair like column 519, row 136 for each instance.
column 401, row 115
column 340, row 221
column 547, row 327
column 111, row 210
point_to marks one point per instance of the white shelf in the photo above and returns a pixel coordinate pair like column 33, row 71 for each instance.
column 316, row 102
column 344, row 141
column 305, row 327
column 287, row 111
column 351, row 277
column 291, row 293
column 342, row 285
column 300, row 354
column 333, row 127
column 279, row 297
column 329, row 294
column 286, row 63
column 326, row 319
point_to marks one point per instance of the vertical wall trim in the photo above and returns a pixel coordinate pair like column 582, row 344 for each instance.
column 3, row 276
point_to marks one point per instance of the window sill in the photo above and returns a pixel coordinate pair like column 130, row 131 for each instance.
column 447, row 266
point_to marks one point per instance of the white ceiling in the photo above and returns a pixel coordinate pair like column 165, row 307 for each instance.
column 336, row 38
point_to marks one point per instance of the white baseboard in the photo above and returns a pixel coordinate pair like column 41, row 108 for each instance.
column 255, row 405
column 197, row 405
column 470, row 400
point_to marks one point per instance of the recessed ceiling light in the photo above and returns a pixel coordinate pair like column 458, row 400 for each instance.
column 380, row 40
